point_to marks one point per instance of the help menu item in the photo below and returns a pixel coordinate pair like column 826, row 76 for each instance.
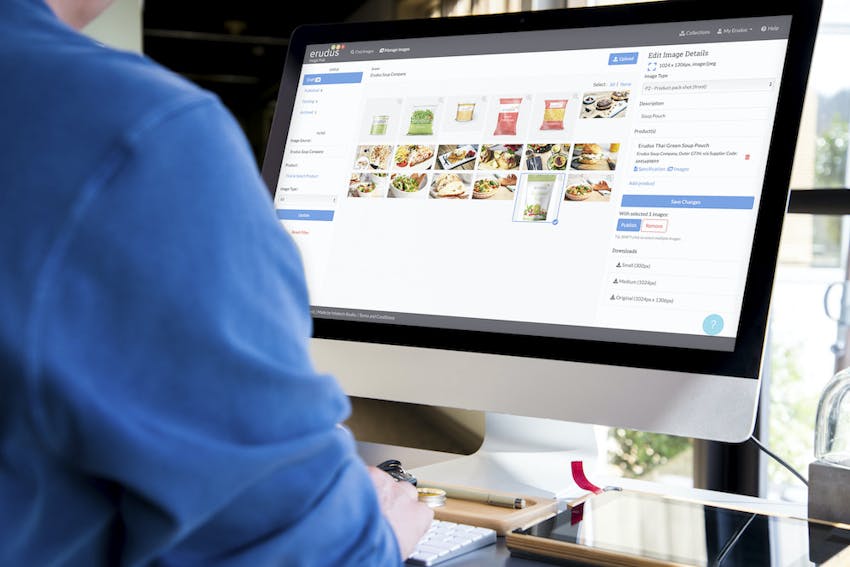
column 508, row 116
column 553, row 114
column 538, row 193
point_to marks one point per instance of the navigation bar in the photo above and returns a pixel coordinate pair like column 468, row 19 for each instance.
column 615, row 37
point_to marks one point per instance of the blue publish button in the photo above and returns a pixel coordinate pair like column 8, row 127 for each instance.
column 333, row 78
column 305, row 215
column 628, row 225
column 628, row 58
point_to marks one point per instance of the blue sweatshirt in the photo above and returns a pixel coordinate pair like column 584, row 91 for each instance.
column 157, row 400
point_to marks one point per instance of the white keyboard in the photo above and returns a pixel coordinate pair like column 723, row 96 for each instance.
column 446, row 540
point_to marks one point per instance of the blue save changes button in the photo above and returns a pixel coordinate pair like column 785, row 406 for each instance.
column 627, row 58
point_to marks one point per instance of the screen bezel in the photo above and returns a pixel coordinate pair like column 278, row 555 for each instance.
column 745, row 360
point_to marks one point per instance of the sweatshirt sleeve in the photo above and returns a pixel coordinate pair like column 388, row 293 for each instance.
column 170, row 350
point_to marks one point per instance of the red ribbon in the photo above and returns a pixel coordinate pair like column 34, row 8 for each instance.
column 581, row 479
column 576, row 514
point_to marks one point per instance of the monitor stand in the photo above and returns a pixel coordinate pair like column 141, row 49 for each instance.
column 523, row 455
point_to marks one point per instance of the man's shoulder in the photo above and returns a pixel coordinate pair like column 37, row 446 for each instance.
column 123, row 90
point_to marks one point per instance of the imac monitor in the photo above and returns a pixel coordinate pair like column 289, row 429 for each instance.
column 569, row 214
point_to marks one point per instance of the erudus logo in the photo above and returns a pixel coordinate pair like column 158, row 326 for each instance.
column 332, row 51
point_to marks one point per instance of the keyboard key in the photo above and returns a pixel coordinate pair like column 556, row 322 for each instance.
column 446, row 540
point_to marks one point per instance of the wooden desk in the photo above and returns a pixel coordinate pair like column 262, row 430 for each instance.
column 499, row 556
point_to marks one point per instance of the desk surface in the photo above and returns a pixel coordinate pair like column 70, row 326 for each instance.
column 499, row 555
column 494, row 555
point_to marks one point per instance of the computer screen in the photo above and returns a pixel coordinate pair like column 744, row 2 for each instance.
column 570, row 214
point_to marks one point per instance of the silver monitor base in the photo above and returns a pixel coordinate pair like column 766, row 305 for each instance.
column 519, row 455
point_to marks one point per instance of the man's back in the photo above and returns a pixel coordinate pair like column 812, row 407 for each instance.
column 157, row 402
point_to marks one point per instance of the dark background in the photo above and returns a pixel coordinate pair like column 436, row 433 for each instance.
column 235, row 49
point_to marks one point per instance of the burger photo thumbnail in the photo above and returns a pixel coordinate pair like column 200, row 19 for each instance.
column 591, row 154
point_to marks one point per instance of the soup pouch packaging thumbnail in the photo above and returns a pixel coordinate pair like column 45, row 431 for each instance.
column 553, row 114
column 538, row 194
column 379, row 125
column 508, row 116
column 421, row 121
column 465, row 112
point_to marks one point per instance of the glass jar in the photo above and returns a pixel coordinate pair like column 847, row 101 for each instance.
column 832, row 428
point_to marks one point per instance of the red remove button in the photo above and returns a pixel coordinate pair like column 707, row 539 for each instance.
column 654, row 225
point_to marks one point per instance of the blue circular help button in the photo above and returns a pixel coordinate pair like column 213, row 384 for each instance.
column 712, row 324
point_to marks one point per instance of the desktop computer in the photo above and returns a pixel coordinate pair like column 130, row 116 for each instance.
column 571, row 215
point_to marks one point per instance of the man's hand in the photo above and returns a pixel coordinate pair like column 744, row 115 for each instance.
column 400, row 504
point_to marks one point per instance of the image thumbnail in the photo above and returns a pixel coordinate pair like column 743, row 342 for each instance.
column 500, row 156
column 595, row 157
column 457, row 156
column 380, row 118
column 605, row 104
column 407, row 186
column 588, row 188
column 508, row 116
column 368, row 184
column 420, row 116
column 552, row 157
column 494, row 186
column 451, row 186
column 413, row 156
column 539, row 197
column 464, row 114
column 372, row 157
column 554, row 113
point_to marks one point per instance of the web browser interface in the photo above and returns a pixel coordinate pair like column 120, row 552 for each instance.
column 590, row 183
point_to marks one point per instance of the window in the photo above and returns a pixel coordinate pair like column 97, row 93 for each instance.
column 813, row 254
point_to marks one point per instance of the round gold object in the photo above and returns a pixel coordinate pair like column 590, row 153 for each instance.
column 433, row 497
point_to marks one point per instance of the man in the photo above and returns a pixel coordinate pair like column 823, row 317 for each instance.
column 157, row 400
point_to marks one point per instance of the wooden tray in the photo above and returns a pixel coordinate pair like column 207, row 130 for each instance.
column 498, row 518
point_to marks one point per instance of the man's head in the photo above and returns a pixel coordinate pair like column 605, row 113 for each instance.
column 78, row 13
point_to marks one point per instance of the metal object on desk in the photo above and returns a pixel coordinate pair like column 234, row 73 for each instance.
column 393, row 468
column 829, row 474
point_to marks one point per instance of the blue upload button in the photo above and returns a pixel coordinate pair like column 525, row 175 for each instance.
column 627, row 58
